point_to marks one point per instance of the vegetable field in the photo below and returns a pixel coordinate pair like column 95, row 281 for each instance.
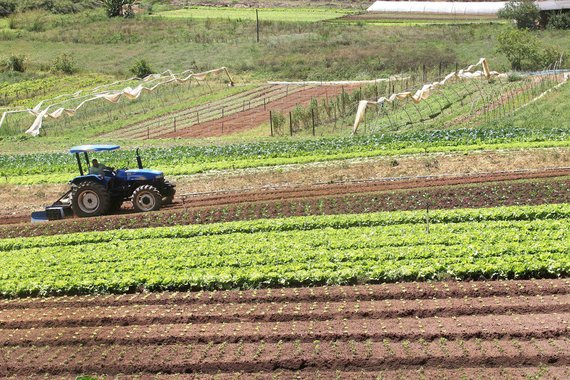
column 511, row 329
column 512, row 242
column 431, row 242
column 180, row 160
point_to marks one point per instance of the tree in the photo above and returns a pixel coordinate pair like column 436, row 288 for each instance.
column 118, row 8
column 525, row 13
column 524, row 51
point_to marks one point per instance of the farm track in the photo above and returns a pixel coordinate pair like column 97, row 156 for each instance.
column 515, row 328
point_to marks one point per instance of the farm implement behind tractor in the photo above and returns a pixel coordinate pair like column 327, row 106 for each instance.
column 101, row 190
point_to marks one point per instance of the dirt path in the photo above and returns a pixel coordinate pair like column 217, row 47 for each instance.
column 512, row 327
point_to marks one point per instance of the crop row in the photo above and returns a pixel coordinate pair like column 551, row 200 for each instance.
column 511, row 242
column 179, row 160
column 508, row 193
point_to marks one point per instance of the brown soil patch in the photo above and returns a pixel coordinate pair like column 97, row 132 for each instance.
column 497, row 328
column 253, row 117
column 435, row 193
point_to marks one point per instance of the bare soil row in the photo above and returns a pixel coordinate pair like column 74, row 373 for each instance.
column 510, row 327
column 488, row 190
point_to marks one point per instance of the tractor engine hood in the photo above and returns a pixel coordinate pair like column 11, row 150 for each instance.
column 143, row 174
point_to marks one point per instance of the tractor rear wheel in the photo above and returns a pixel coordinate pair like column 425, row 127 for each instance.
column 90, row 199
column 147, row 198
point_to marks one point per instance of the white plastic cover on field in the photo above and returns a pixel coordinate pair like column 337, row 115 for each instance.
column 427, row 89
column 457, row 7
column 149, row 84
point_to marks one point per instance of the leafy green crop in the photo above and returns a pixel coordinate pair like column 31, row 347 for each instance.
column 509, row 242
column 179, row 160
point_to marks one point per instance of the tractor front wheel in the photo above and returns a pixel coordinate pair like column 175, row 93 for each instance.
column 90, row 199
column 147, row 198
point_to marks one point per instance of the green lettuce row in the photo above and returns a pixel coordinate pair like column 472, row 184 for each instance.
column 509, row 242
column 506, row 214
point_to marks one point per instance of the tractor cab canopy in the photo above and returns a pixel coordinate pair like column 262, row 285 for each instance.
column 93, row 148
column 89, row 148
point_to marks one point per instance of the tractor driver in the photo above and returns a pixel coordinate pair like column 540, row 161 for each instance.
column 96, row 167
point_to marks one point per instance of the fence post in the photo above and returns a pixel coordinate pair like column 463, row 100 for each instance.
column 264, row 104
column 271, row 122
column 197, row 117
column 334, row 117
column 147, row 132
column 174, row 124
column 291, row 123
column 313, row 117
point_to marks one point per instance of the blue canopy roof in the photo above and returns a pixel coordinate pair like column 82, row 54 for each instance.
column 92, row 148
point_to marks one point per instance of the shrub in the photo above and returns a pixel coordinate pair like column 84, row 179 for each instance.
column 64, row 64
column 559, row 21
column 118, row 8
column 525, row 13
column 7, row 7
column 141, row 69
column 15, row 63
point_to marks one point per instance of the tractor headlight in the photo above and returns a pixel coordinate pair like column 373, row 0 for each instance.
column 160, row 176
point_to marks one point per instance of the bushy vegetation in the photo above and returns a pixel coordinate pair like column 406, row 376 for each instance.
column 525, row 13
column 64, row 63
column 559, row 21
column 525, row 51
column 141, row 68
column 15, row 63
column 8, row 7
column 118, row 8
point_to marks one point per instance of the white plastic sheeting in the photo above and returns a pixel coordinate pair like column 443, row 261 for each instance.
column 427, row 89
column 149, row 84
column 457, row 7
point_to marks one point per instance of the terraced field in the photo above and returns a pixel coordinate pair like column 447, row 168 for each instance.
column 513, row 329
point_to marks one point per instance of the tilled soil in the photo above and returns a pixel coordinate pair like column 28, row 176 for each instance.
column 253, row 117
column 443, row 192
column 496, row 329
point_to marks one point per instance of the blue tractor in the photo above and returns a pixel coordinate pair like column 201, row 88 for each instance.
column 102, row 190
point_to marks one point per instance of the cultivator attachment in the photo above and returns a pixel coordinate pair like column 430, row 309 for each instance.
column 58, row 210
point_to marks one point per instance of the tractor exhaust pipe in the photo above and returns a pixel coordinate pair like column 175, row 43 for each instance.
column 139, row 160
